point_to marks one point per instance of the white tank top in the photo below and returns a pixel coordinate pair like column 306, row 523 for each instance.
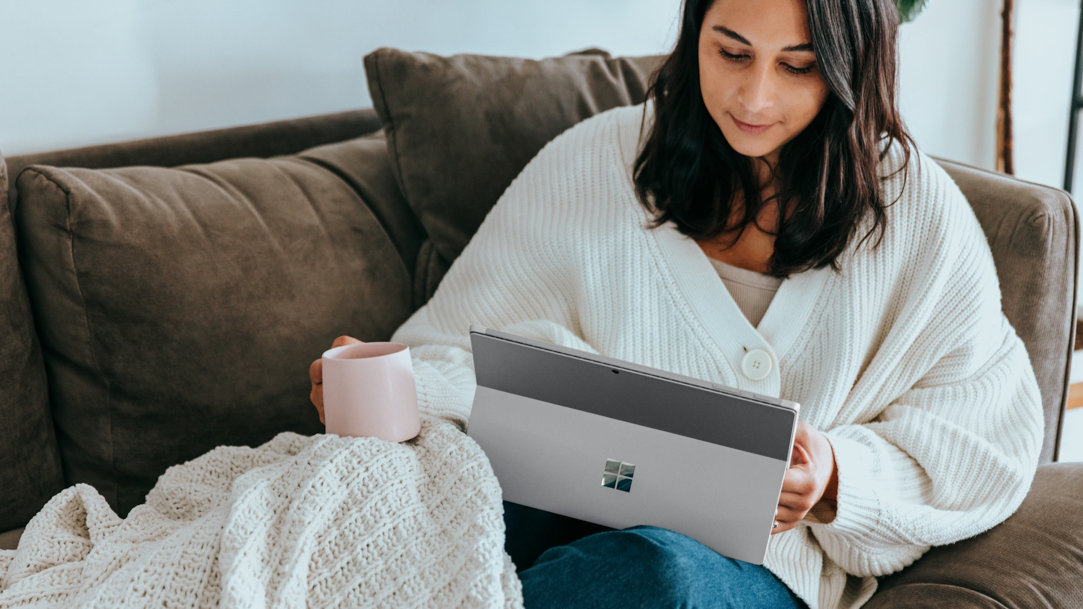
column 752, row 291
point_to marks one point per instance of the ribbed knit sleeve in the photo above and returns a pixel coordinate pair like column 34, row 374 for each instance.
column 512, row 275
column 954, row 453
column 941, row 464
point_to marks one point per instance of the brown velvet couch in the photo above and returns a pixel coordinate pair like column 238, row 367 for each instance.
column 161, row 297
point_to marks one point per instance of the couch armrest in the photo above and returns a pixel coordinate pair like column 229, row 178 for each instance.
column 1033, row 559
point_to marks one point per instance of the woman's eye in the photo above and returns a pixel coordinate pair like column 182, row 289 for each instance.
column 796, row 70
column 732, row 56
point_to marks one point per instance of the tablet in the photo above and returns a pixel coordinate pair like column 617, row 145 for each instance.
column 620, row 444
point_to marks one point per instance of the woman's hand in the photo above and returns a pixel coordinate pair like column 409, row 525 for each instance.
column 811, row 483
column 315, row 374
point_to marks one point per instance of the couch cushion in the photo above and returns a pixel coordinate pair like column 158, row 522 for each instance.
column 1033, row 559
column 29, row 460
column 180, row 308
column 9, row 540
column 460, row 128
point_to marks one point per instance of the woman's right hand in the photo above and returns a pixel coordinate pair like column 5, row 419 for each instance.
column 315, row 374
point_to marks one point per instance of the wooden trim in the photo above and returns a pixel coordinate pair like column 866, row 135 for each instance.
column 1075, row 395
column 1004, row 155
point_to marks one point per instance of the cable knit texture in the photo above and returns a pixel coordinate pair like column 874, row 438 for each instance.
column 903, row 358
column 318, row 521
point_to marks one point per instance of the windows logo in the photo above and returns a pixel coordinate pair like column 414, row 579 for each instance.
column 618, row 475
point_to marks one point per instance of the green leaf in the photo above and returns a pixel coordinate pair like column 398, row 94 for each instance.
column 909, row 9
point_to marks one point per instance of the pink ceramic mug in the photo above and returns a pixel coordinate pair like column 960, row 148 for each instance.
column 369, row 390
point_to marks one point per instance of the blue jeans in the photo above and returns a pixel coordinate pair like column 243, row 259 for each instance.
column 648, row 567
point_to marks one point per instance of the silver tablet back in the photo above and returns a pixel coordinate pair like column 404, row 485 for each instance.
column 620, row 444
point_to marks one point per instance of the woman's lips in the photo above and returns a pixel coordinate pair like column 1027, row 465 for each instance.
column 750, row 128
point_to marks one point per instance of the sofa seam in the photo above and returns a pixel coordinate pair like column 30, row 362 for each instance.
column 383, row 222
column 919, row 584
column 434, row 257
column 1072, row 325
column 421, row 274
column 86, row 322
column 391, row 131
column 391, row 137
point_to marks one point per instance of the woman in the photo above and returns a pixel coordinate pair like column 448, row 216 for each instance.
column 763, row 222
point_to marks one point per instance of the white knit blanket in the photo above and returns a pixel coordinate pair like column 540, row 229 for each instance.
column 301, row 521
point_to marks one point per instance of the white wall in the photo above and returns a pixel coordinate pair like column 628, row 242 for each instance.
column 948, row 79
column 1044, row 63
column 91, row 71
column 81, row 72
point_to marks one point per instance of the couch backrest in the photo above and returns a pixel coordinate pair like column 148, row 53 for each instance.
column 1033, row 231
column 29, row 457
column 260, row 141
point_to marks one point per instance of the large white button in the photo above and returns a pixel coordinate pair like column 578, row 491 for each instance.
column 756, row 364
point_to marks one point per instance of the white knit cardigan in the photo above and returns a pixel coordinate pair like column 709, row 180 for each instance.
column 904, row 357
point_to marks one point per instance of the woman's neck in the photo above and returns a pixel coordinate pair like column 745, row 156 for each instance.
column 752, row 245
column 749, row 247
column 765, row 169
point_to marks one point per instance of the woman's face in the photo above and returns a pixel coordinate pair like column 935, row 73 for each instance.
column 758, row 74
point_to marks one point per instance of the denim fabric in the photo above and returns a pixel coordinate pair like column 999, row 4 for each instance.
column 648, row 567
column 531, row 531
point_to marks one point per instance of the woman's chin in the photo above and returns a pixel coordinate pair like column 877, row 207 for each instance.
column 753, row 151
column 750, row 146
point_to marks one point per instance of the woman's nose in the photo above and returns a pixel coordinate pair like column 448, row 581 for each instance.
column 757, row 90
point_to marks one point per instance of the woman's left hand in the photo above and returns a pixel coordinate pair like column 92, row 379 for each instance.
column 811, row 483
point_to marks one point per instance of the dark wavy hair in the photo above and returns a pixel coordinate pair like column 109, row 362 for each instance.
column 829, row 174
